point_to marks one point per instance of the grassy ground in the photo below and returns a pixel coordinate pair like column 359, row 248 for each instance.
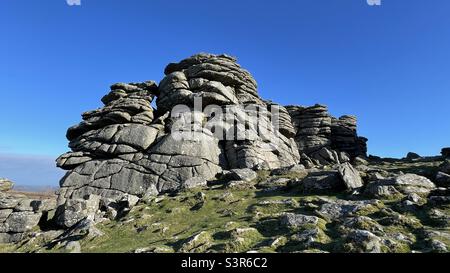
column 166, row 223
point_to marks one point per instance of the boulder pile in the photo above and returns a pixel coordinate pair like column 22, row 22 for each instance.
column 20, row 214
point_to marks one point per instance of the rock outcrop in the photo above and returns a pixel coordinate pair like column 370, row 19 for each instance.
column 19, row 215
column 325, row 139
column 344, row 137
column 209, row 118
column 313, row 127
column 215, row 168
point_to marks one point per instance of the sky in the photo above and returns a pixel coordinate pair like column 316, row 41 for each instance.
column 389, row 65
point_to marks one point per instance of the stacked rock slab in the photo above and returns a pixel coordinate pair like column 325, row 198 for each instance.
column 217, row 79
column 127, row 150
column 283, row 119
column 323, row 138
column 344, row 137
column 121, row 151
column 248, row 139
column 313, row 126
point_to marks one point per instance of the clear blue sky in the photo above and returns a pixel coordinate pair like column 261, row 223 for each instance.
column 389, row 65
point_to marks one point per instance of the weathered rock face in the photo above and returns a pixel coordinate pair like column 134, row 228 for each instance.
column 350, row 176
column 126, row 148
column 325, row 139
column 108, row 146
column 217, row 79
column 209, row 118
column 313, row 126
column 242, row 121
column 344, row 137
column 19, row 215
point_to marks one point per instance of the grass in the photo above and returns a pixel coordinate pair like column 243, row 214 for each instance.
column 167, row 222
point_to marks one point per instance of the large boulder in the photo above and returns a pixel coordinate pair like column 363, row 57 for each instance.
column 296, row 221
column 363, row 241
column 350, row 176
column 76, row 210
column 338, row 210
column 322, row 182
column 400, row 185
column 445, row 152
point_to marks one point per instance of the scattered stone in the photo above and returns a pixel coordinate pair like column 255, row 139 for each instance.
column 240, row 185
column 194, row 182
column 278, row 242
column 197, row 243
column 311, row 238
column 155, row 249
column 73, row 247
column 336, row 210
column 294, row 221
column 402, row 184
column 8, row 238
column 246, row 175
column 439, row 217
column 225, row 197
column 362, row 223
column 322, row 182
column 438, row 246
column 411, row 203
column 363, row 241
column 242, row 239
